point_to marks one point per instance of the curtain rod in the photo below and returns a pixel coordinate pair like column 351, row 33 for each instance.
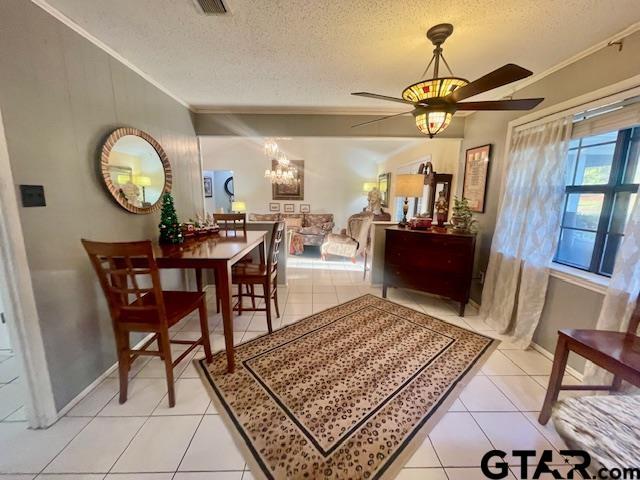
column 574, row 107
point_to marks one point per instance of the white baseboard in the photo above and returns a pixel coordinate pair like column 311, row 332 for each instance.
column 67, row 408
column 546, row 353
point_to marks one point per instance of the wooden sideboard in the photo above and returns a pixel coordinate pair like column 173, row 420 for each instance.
column 436, row 261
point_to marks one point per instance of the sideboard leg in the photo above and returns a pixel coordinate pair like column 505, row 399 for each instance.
column 384, row 290
column 461, row 309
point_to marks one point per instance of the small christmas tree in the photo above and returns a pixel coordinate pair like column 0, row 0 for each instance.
column 462, row 218
column 170, row 231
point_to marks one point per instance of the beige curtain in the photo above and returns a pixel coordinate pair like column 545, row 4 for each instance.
column 622, row 292
column 527, row 230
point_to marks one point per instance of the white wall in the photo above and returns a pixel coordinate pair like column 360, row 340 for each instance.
column 444, row 153
column 335, row 169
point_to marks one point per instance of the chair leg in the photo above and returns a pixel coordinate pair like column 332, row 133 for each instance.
column 204, row 328
column 275, row 297
column 122, row 340
column 267, row 299
column 555, row 381
column 364, row 273
column 617, row 384
column 251, row 290
column 215, row 279
column 168, row 366
column 239, row 299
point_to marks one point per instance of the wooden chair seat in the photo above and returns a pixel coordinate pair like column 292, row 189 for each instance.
column 247, row 272
column 177, row 306
column 619, row 347
column 616, row 352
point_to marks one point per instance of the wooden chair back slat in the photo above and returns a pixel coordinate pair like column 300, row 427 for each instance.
column 231, row 221
column 119, row 266
column 274, row 248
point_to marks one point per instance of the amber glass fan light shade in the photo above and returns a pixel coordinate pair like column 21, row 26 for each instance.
column 432, row 123
column 432, row 88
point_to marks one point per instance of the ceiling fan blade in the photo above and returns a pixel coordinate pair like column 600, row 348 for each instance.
column 520, row 104
column 379, row 119
column 382, row 97
column 502, row 76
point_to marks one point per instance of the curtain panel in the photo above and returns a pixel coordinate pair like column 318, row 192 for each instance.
column 622, row 293
column 527, row 230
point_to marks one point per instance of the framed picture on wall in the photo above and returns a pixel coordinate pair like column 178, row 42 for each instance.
column 305, row 208
column 384, row 181
column 208, row 187
column 293, row 190
column 274, row 207
column 289, row 208
column 476, row 168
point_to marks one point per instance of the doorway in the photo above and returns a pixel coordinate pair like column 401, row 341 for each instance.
column 12, row 397
column 218, row 190
column 27, row 385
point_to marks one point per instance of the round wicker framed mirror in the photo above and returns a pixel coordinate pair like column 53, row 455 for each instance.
column 135, row 169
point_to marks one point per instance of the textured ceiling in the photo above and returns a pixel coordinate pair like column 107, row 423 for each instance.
column 310, row 53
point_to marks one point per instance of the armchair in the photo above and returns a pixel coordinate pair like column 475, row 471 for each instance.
column 352, row 241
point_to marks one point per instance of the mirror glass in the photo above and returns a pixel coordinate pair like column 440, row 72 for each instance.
column 134, row 170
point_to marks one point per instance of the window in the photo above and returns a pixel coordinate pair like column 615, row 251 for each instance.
column 602, row 183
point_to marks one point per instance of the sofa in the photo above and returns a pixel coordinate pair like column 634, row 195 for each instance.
column 306, row 228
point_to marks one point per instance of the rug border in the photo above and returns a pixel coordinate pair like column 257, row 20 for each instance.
column 393, row 467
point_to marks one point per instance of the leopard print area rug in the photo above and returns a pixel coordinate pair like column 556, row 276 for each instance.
column 346, row 393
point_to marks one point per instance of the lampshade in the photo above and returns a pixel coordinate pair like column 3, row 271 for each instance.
column 432, row 123
column 239, row 207
column 123, row 179
column 434, row 87
column 409, row 185
column 368, row 186
column 142, row 181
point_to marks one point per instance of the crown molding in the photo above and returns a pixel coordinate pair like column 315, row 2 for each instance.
column 57, row 14
column 248, row 110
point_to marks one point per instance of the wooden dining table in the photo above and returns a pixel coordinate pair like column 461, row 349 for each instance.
column 217, row 252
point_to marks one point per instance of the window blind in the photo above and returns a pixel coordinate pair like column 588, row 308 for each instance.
column 615, row 117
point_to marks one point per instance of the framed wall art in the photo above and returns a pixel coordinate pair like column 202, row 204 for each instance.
column 289, row 208
column 476, row 169
column 384, row 183
column 290, row 191
column 208, row 187
column 274, row 207
column 305, row 208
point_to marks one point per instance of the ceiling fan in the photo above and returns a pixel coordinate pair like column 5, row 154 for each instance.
column 435, row 100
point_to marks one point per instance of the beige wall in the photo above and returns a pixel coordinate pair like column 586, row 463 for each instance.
column 60, row 97
column 335, row 169
column 567, row 305
column 443, row 153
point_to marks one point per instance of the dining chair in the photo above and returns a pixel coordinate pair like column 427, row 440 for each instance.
column 261, row 274
column 231, row 221
column 130, row 280
column 616, row 352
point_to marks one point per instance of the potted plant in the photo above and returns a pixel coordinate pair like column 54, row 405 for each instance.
column 462, row 218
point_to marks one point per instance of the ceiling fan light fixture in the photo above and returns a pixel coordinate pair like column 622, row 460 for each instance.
column 434, row 122
column 432, row 88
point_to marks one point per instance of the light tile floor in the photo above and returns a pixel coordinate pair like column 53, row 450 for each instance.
column 11, row 395
column 144, row 439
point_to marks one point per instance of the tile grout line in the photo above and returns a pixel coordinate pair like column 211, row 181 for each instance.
column 195, row 431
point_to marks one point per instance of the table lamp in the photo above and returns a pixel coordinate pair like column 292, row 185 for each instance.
column 238, row 207
column 142, row 181
column 408, row 186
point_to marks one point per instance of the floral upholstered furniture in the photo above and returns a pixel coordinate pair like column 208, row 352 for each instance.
column 352, row 241
column 306, row 228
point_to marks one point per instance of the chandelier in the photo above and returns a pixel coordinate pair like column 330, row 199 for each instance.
column 282, row 173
